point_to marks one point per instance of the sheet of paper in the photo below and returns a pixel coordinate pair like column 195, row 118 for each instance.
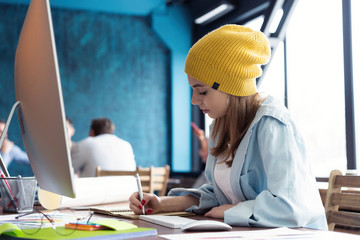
column 92, row 191
column 267, row 234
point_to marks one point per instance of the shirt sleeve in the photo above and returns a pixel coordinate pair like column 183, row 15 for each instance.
column 291, row 198
column 16, row 154
column 205, row 193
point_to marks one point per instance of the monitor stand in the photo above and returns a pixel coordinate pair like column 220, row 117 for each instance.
column 2, row 164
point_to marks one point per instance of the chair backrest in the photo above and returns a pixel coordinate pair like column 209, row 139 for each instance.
column 342, row 204
column 159, row 178
column 153, row 179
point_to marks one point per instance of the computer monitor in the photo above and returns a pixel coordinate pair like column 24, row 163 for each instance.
column 41, row 111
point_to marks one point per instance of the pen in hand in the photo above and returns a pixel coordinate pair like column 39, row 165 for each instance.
column 140, row 191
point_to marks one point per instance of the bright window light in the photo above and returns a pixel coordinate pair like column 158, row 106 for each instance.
column 255, row 23
column 216, row 12
column 276, row 20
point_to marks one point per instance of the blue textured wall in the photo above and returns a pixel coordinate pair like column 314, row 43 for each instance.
column 110, row 65
column 11, row 18
column 174, row 27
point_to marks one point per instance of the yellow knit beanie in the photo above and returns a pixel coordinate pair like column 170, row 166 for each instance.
column 228, row 59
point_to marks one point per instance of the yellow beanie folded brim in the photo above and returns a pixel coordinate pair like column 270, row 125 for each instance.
column 201, row 71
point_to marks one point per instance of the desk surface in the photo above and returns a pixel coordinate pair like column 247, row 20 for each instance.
column 161, row 230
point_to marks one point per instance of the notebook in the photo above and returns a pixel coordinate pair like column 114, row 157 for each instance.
column 128, row 213
column 116, row 212
column 167, row 221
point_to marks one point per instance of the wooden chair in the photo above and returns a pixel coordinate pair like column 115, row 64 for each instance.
column 153, row 179
column 342, row 206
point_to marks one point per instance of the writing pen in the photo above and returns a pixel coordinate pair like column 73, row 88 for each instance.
column 140, row 191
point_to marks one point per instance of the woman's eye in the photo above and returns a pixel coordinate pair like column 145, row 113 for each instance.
column 203, row 93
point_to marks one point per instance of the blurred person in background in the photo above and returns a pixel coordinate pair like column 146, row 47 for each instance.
column 102, row 148
column 15, row 159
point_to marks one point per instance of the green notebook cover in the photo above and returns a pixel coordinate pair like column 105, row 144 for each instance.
column 49, row 233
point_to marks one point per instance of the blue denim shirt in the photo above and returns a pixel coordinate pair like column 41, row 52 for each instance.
column 15, row 154
column 270, row 174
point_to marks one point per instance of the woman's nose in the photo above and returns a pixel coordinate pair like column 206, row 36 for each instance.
column 194, row 100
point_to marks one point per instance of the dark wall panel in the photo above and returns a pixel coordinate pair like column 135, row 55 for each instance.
column 111, row 66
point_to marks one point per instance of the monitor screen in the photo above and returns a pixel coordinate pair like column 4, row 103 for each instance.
column 41, row 111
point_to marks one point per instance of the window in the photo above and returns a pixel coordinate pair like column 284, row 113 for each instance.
column 274, row 82
column 316, row 81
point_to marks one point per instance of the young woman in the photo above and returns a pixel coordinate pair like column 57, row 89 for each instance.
column 257, row 167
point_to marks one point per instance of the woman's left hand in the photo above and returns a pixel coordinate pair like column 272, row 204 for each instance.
column 218, row 212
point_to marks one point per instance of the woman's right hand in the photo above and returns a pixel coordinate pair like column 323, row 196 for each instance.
column 150, row 202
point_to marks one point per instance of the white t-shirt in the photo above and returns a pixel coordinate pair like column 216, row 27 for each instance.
column 222, row 179
column 105, row 150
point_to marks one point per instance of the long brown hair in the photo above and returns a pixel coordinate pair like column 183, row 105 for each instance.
column 230, row 129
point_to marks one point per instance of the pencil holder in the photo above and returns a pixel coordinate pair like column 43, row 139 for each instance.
column 18, row 194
